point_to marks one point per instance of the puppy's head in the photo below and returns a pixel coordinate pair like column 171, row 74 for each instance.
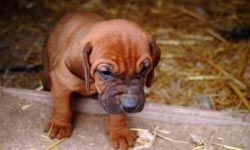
column 121, row 64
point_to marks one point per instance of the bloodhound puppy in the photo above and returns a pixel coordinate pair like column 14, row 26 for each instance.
column 87, row 54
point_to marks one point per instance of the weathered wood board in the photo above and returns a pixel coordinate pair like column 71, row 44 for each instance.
column 158, row 112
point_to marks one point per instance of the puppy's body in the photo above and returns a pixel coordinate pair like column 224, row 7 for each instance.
column 87, row 54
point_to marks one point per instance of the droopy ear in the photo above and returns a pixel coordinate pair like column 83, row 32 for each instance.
column 155, row 53
column 78, row 64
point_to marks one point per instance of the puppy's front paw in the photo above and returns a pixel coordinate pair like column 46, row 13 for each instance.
column 122, row 138
column 58, row 129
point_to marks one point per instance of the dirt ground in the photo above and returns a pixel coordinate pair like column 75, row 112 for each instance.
column 23, row 129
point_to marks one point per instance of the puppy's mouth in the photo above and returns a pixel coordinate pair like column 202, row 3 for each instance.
column 115, row 105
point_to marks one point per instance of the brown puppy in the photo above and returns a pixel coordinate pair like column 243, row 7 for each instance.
column 87, row 54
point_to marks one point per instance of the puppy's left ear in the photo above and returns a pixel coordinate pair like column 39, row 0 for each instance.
column 155, row 53
column 78, row 64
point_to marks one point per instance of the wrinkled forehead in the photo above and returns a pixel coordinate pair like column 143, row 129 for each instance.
column 124, row 54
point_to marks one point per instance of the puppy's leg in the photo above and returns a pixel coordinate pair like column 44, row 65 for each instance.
column 60, row 124
column 119, row 134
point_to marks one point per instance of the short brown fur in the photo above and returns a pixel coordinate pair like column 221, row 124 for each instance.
column 80, row 43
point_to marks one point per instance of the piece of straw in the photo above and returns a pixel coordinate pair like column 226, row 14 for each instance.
column 218, row 144
column 244, row 57
column 216, row 35
column 228, row 147
column 207, row 77
column 189, row 12
column 51, row 127
column 136, row 129
column 171, row 140
column 240, row 94
column 198, row 147
column 55, row 144
column 238, row 82
column 175, row 42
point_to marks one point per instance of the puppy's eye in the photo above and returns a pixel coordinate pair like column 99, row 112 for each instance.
column 144, row 68
column 105, row 73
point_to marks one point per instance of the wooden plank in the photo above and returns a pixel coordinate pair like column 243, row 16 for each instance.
column 152, row 111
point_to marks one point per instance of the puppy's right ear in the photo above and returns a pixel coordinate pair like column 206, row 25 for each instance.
column 78, row 64
column 155, row 53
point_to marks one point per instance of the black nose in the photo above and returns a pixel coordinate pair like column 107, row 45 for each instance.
column 129, row 105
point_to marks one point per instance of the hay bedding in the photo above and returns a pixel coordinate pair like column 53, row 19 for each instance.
column 200, row 66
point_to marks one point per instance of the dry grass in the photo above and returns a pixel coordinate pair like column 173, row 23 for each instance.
column 197, row 61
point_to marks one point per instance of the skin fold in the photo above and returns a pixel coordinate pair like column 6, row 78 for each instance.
column 86, row 54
